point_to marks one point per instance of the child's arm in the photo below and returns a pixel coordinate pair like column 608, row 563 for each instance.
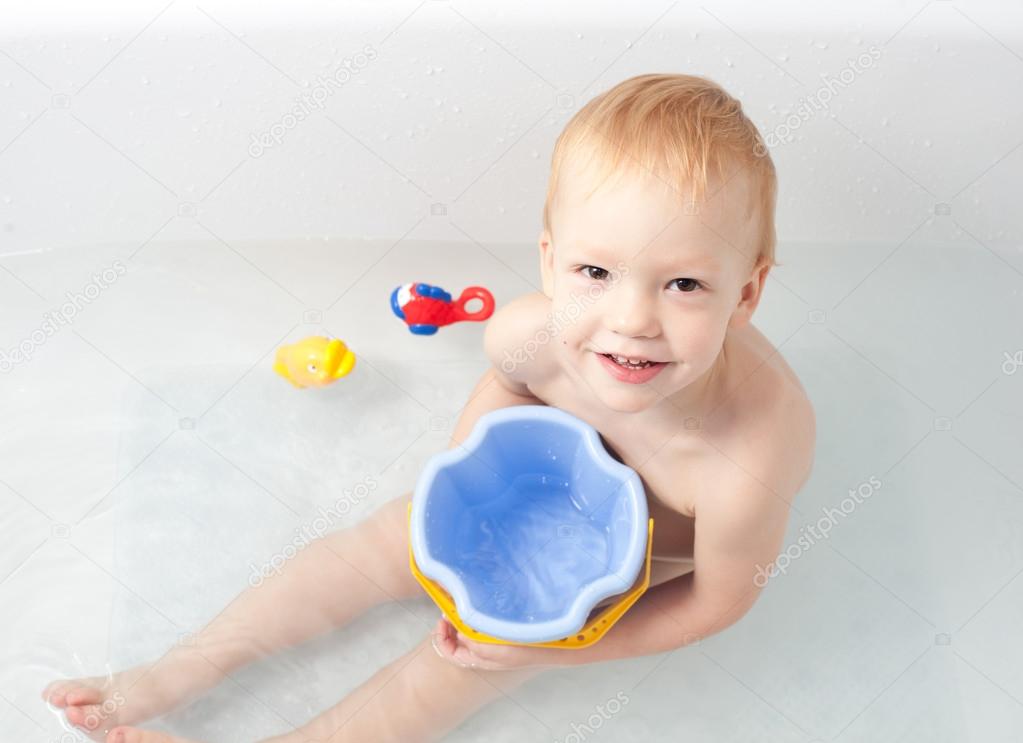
column 738, row 534
column 489, row 394
column 505, row 383
column 738, row 531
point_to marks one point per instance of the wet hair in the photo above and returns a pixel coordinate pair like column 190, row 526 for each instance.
column 684, row 130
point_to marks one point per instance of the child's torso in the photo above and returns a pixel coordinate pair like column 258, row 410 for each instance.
column 680, row 464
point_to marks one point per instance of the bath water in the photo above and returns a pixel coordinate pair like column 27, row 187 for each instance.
column 527, row 550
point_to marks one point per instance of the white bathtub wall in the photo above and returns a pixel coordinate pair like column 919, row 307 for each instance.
column 149, row 457
column 122, row 116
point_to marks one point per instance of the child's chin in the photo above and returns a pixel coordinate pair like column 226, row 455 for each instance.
column 630, row 401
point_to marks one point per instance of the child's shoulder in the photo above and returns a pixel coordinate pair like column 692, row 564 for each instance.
column 766, row 417
column 517, row 337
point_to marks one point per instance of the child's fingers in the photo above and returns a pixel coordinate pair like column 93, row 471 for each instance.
column 441, row 640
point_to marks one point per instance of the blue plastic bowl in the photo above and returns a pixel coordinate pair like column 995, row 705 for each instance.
column 529, row 525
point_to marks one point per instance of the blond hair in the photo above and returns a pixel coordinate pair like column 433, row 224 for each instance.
column 681, row 127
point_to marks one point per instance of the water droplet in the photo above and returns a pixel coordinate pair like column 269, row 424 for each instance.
column 783, row 57
column 927, row 143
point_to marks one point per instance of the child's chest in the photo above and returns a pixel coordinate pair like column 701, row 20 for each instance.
column 672, row 465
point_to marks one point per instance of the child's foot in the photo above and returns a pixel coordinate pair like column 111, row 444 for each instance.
column 100, row 703
column 136, row 735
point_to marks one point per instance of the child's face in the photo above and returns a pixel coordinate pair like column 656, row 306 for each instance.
column 632, row 274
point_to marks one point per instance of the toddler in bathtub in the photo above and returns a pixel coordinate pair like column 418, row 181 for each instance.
column 658, row 235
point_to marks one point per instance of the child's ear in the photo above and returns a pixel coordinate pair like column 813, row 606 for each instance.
column 749, row 296
column 547, row 263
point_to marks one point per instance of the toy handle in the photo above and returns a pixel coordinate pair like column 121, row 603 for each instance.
column 470, row 293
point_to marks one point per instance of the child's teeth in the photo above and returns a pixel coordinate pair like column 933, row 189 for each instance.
column 631, row 362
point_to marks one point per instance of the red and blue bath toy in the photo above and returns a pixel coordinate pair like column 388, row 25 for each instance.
column 425, row 308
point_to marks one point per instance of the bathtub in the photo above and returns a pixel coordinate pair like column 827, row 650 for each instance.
column 167, row 220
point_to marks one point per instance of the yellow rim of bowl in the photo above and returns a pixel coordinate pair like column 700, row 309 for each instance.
column 589, row 634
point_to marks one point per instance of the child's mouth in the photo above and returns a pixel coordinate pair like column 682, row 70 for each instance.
column 635, row 371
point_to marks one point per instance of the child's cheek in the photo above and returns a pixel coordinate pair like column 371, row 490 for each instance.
column 702, row 341
column 575, row 321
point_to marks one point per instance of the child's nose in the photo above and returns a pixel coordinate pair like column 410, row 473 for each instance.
column 633, row 314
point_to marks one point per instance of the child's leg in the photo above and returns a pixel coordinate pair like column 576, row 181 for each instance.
column 324, row 586
column 420, row 697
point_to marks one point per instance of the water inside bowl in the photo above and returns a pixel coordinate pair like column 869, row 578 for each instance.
column 524, row 552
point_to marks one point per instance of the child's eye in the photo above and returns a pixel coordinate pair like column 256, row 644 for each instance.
column 685, row 285
column 595, row 272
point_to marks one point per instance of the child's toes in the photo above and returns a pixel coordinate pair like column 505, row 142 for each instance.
column 88, row 717
column 55, row 691
column 82, row 695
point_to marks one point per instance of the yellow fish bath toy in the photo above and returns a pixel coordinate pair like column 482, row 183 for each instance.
column 315, row 361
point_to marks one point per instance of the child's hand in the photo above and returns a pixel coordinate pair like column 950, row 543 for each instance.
column 455, row 647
